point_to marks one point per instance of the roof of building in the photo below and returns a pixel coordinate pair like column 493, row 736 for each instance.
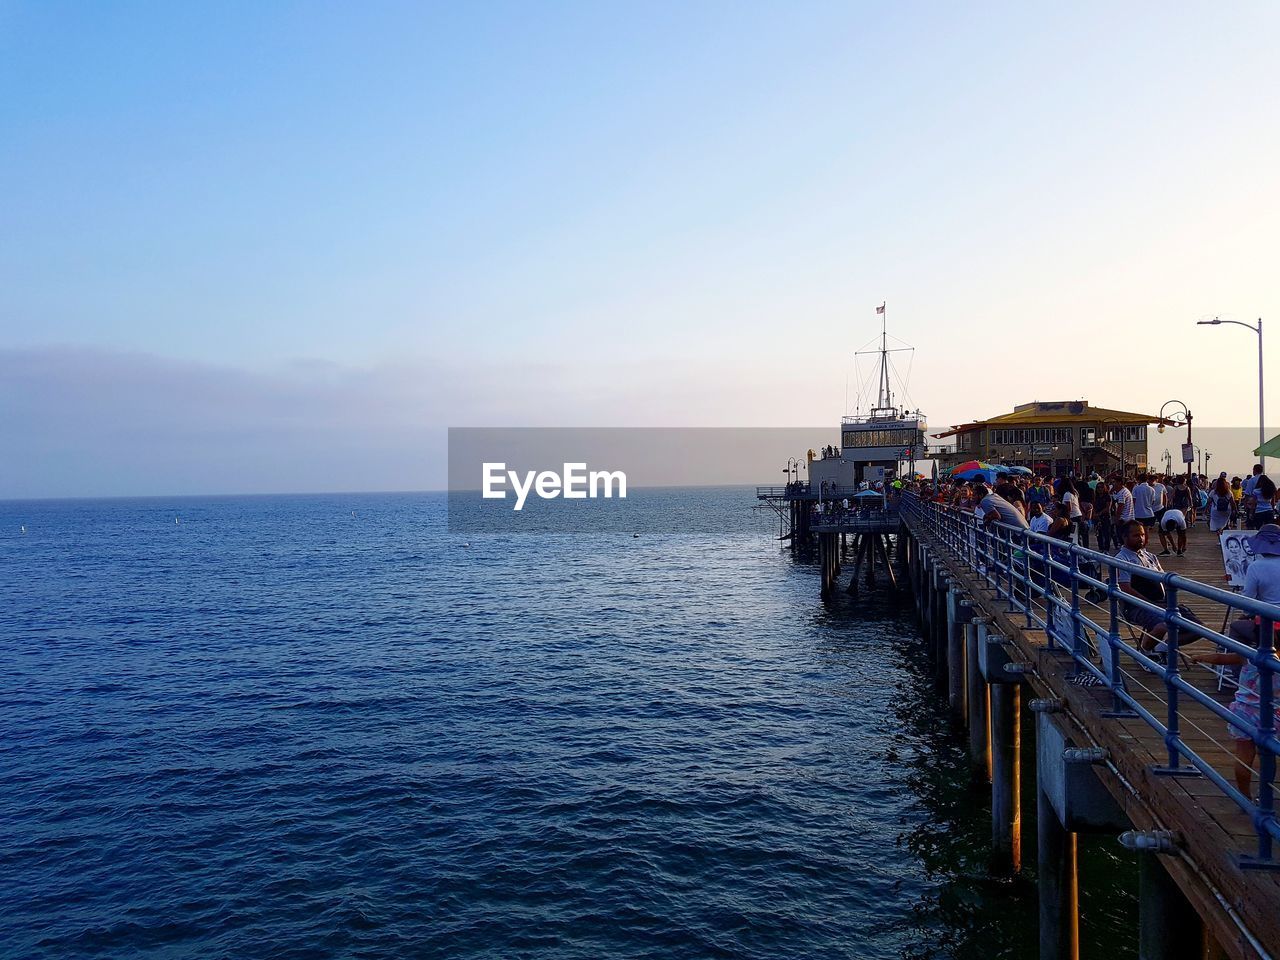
column 1053, row 412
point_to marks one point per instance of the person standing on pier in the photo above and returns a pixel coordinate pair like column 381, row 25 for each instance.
column 1264, row 498
column 1162, row 493
column 1073, row 513
column 1010, row 493
column 1102, row 516
column 1246, row 489
column 1038, row 492
column 1220, row 506
column 1121, row 505
column 1145, row 501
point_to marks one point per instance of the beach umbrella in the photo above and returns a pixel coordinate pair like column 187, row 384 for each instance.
column 970, row 466
column 1017, row 471
column 986, row 474
column 861, row 494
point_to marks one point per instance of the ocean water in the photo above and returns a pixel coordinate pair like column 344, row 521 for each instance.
column 325, row 726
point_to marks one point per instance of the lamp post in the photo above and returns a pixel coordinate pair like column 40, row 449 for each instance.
column 1262, row 430
column 793, row 467
column 1207, row 455
column 1177, row 419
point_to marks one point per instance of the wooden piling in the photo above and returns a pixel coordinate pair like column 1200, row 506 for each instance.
column 1006, row 777
column 1058, row 886
column 1168, row 926
column 978, row 709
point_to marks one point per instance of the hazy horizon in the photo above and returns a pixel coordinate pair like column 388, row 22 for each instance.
column 282, row 249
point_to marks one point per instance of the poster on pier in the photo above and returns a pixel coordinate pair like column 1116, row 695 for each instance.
column 1236, row 555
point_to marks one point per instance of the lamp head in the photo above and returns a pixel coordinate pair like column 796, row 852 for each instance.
column 1160, row 428
column 1212, row 323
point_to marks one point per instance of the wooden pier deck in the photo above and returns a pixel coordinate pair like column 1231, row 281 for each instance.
column 1214, row 836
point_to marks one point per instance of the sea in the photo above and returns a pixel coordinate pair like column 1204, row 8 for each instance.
column 339, row 726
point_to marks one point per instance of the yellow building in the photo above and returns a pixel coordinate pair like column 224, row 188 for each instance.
column 1054, row 437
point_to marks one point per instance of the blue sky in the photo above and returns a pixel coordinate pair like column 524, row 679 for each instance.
column 652, row 214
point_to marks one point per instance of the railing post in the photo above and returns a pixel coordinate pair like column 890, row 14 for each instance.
column 1266, row 727
column 1171, row 738
column 1115, row 675
column 1026, row 572
column 1009, row 570
column 1077, row 639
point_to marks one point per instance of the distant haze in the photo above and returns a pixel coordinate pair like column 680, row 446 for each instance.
column 252, row 247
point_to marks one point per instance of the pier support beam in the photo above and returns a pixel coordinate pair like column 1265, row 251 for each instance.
column 1168, row 926
column 1059, row 886
column 941, row 629
column 976, row 704
column 1006, row 777
column 955, row 656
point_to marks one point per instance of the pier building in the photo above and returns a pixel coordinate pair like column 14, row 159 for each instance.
column 1053, row 437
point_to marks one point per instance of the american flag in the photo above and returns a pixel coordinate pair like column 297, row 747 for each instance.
column 880, row 309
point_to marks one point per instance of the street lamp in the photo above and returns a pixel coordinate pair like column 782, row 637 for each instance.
column 1262, row 430
column 793, row 466
column 1177, row 419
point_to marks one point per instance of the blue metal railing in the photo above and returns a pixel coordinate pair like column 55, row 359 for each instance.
column 1044, row 579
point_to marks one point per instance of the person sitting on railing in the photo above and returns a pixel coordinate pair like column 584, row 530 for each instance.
column 1134, row 550
column 1262, row 582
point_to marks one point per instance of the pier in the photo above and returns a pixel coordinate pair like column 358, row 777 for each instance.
column 838, row 523
column 1020, row 630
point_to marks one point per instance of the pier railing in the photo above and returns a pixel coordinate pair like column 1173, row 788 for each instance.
column 1073, row 594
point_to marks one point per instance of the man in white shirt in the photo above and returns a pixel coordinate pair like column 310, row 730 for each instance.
column 1121, row 503
column 1040, row 522
column 1145, row 501
column 1162, row 494
column 1173, row 524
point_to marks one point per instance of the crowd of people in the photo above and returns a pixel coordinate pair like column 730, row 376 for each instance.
column 1120, row 514
column 1092, row 511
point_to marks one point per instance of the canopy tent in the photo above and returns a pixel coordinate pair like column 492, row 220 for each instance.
column 1269, row 449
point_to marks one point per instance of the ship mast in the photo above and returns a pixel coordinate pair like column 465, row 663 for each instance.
column 884, row 408
column 886, row 397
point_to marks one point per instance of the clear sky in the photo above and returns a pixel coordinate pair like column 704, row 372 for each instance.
column 280, row 246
